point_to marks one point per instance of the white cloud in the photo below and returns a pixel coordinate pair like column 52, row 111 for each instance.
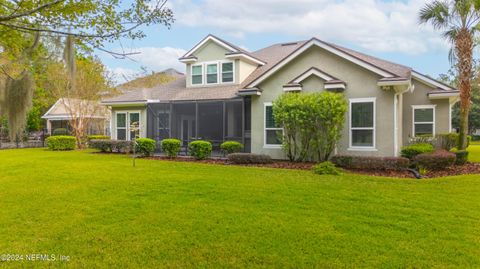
column 372, row 24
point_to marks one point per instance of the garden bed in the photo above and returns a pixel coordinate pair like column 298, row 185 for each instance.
column 469, row 168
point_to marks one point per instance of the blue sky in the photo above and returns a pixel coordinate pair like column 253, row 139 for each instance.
column 387, row 29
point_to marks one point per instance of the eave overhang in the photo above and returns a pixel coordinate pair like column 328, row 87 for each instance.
column 249, row 92
column 244, row 57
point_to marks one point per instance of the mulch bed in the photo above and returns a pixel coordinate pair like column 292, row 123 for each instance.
column 469, row 168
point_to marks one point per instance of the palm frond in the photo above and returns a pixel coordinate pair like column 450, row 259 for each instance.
column 437, row 13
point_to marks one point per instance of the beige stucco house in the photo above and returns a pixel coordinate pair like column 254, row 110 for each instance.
column 227, row 94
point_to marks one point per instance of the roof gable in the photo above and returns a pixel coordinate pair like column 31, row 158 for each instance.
column 211, row 38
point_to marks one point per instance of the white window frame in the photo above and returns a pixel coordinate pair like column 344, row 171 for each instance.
column 221, row 72
column 202, row 74
column 206, row 72
column 265, row 129
column 414, row 107
column 351, row 129
column 127, row 123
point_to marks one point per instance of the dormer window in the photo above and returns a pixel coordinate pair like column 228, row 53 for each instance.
column 227, row 72
column 197, row 74
column 212, row 73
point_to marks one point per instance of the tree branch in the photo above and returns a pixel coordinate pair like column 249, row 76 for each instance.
column 29, row 12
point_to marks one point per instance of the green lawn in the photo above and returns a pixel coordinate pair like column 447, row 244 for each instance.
column 474, row 152
column 102, row 212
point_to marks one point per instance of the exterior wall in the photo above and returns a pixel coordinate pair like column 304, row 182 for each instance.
column 361, row 83
column 143, row 118
column 211, row 52
column 419, row 97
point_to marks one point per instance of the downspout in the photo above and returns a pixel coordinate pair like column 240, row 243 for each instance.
column 398, row 118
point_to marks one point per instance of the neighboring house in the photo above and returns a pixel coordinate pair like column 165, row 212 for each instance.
column 227, row 94
column 59, row 115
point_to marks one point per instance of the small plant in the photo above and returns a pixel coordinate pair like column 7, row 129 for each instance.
column 249, row 158
column 413, row 150
column 326, row 168
column 462, row 157
column 437, row 160
column 200, row 149
column 61, row 142
column 108, row 145
column 423, row 171
column 60, row 131
column 171, row 147
column 145, row 146
column 369, row 162
column 229, row 147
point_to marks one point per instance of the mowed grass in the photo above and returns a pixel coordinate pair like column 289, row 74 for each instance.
column 474, row 152
column 104, row 213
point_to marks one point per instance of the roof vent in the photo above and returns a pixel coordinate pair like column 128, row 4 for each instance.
column 290, row 44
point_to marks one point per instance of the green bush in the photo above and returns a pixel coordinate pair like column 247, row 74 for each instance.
column 96, row 137
column 145, row 146
column 413, row 150
column 61, row 142
column 108, row 145
column 447, row 141
column 171, row 147
column 462, row 157
column 326, row 168
column 200, row 149
column 60, row 131
column 437, row 160
column 229, row 147
column 249, row 158
column 371, row 162
column 475, row 137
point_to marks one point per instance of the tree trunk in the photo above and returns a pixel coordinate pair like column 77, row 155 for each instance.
column 464, row 51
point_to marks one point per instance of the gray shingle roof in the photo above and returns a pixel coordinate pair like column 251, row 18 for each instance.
column 272, row 55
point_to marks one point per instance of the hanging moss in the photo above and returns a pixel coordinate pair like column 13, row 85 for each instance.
column 17, row 97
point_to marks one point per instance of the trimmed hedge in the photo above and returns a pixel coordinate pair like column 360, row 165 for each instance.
column 61, row 142
column 108, row 145
column 462, row 157
column 437, row 160
column 413, row 150
column 200, row 149
column 145, row 146
column 171, row 147
column 249, row 158
column 60, row 132
column 229, row 147
column 326, row 168
column 96, row 137
column 364, row 162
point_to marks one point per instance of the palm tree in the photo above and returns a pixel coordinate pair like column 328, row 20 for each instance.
column 459, row 20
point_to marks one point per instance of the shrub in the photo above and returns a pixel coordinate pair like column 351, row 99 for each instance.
column 229, row 147
column 413, row 150
column 326, row 168
column 461, row 157
column 200, row 149
column 475, row 137
column 145, row 146
column 423, row 139
column 364, row 162
column 96, row 137
column 171, row 147
column 60, row 131
column 249, row 158
column 447, row 141
column 312, row 123
column 108, row 145
column 61, row 142
column 439, row 159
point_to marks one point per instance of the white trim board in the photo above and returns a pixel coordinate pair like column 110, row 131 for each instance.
column 430, row 82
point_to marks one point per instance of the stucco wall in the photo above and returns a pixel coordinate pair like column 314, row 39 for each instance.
column 143, row 118
column 420, row 97
column 361, row 83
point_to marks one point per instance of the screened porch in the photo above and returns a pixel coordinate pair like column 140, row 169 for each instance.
column 214, row 121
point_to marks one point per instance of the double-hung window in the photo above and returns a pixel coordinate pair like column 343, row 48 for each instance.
column 212, row 73
column 423, row 120
column 273, row 132
column 121, row 128
column 227, row 72
column 197, row 74
column 362, row 123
